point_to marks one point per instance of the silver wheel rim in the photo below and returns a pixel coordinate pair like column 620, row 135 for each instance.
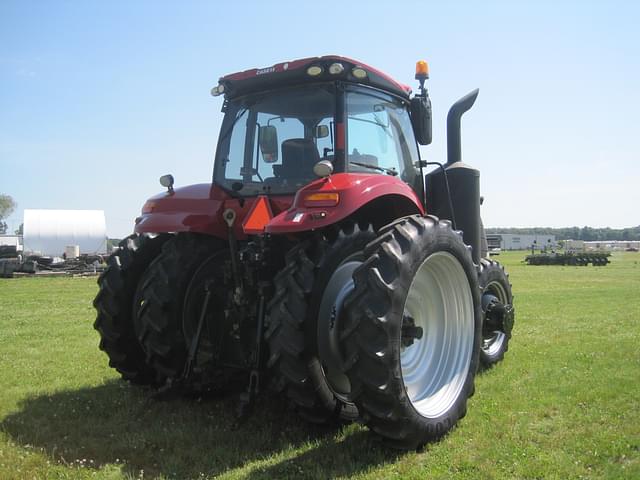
column 492, row 343
column 435, row 367
column 338, row 287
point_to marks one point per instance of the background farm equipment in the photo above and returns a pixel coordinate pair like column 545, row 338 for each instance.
column 14, row 264
column 597, row 259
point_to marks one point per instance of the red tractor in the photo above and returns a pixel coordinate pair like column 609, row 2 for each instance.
column 321, row 258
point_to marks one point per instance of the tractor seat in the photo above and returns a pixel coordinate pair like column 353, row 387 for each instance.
column 299, row 155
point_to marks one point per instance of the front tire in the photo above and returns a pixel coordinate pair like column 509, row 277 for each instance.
column 497, row 312
column 411, row 338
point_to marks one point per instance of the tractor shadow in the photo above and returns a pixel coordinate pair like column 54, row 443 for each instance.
column 122, row 425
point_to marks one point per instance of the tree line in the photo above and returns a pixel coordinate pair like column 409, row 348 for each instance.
column 576, row 233
column 7, row 206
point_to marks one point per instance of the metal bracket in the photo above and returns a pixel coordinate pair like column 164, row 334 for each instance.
column 229, row 216
column 195, row 342
column 247, row 398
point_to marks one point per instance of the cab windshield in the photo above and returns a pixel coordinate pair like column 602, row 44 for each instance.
column 270, row 142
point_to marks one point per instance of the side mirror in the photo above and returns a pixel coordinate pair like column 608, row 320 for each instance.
column 269, row 143
column 421, row 119
column 322, row 131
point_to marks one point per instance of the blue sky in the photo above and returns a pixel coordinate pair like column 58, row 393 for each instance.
column 98, row 99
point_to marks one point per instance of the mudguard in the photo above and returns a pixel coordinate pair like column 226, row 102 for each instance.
column 353, row 192
column 198, row 209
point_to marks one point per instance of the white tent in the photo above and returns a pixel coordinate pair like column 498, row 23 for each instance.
column 49, row 232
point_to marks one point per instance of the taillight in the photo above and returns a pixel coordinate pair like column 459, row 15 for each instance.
column 322, row 199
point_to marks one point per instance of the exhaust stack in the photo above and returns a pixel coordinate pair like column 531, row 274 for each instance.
column 454, row 140
column 457, row 186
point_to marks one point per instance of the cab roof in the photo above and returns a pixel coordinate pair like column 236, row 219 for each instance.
column 296, row 72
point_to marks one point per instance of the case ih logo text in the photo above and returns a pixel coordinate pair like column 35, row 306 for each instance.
column 262, row 71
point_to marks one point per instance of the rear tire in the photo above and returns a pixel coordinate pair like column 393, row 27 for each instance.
column 116, row 309
column 160, row 297
column 411, row 390
column 293, row 322
column 495, row 286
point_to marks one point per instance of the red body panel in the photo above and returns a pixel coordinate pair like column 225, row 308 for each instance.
column 355, row 190
column 278, row 67
column 198, row 209
column 295, row 64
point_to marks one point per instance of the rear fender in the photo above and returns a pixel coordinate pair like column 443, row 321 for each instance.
column 376, row 198
column 193, row 208
column 199, row 209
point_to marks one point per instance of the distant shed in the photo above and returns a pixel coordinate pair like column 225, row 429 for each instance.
column 510, row 241
column 48, row 232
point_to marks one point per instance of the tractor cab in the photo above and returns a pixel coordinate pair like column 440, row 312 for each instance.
column 282, row 121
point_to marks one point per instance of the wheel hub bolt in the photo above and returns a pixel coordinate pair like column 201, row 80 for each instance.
column 409, row 331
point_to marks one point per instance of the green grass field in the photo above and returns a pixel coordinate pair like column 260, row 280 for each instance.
column 565, row 403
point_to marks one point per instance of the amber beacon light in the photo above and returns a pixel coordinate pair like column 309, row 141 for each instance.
column 422, row 70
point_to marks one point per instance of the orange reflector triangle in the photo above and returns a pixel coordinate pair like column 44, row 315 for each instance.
column 259, row 215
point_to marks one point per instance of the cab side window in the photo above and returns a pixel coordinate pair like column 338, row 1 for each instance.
column 379, row 135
